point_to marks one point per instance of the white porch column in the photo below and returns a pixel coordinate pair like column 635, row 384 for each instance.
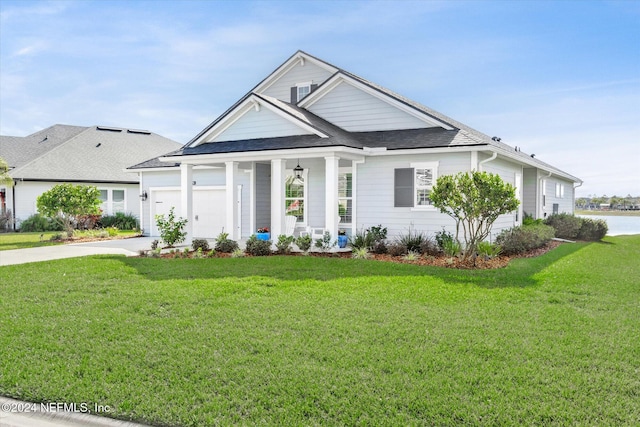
column 278, row 167
column 231, row 200
column 331, row 165
column 186, row 199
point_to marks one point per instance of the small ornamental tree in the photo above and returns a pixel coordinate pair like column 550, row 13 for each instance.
column 171, row 229
column 474, row 200
column 67, row 202
column 5, row 178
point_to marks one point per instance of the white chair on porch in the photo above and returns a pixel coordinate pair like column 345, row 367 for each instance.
column 289, row 225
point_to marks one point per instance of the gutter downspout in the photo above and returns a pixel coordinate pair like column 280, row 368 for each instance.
column 13, row 202
column 493, row 157
column 541, row 208
column 574, row 196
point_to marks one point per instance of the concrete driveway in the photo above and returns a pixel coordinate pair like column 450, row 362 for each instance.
column 128, row 247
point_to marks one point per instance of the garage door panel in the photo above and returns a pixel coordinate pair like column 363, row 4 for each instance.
column 209, row 213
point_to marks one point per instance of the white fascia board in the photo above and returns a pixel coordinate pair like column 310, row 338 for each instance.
column 299, row 59
column 253, row 101
column 156, row 169
column 314, row 97
column 300, row 153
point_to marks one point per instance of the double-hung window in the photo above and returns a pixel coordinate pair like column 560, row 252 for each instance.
column 113, row 201
column 345, row 195
column 295, row 195
column 413, row 186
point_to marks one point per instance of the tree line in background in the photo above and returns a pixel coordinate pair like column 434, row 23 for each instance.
column 608, row 203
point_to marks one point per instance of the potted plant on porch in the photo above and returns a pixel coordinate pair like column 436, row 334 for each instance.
column 263, row 234
column 342, row 238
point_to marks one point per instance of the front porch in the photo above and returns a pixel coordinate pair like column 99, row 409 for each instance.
column 261, row 192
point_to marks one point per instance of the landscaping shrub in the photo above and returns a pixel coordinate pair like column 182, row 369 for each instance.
column 87, row 222
column 529, row 220
column 452, row 248
column 397, row 249
column 224, row 244
column 443, row 238
column 284, row 243
column 6, row 220
column 360, row 253
column 592, row 229
column 521, row 239
column 326, row 243
column 304, row 243
column 121, row 220
column 373, row 239
column 429, row 247
column 487, row 250
column 566, row 226
column 171, row 229
column 201, row 244
column 257, row 247
column 37, row 222
column 412, row 240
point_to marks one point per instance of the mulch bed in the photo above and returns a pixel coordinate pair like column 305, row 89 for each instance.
column 438, row 261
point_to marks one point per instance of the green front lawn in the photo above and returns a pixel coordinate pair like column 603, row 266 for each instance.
column 314, row 341
column 10, row 241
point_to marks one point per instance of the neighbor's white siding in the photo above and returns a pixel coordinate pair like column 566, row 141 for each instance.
column 281, row 89
column 27, row 192
column 260, row 124
column 357, row 111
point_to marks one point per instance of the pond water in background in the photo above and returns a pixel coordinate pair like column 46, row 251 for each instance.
column 619, row 224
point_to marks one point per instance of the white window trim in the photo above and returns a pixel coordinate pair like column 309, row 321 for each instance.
column 423, row 165
column 109, row 202
column 305, row 178
column 302, row 85
column 341, row 171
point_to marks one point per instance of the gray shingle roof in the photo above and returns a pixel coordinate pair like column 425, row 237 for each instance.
column 74, row 153
column 461, row 135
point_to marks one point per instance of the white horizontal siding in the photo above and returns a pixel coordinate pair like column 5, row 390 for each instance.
column 260, row 124
column 375, row 191
column 565, row 203
column 309, row 72
column 357, row 111
column 530, row 191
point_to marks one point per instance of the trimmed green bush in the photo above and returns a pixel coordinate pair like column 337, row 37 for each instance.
column 521, row 239
column 257, row 247
column 37, row 222
column 567, row 226
column 304, row 242
column 592, row 229
column 121, row 220
column 224, row 244
column 201, row 244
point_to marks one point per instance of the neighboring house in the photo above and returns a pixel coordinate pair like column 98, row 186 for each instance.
column 338, row 152
column 96, row 155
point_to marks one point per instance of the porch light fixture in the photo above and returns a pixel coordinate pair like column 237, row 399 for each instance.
column 144, row 196
column 298, row 171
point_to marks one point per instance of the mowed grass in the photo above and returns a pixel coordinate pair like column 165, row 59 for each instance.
column 10, row 241
column 21, row 240
column 553, row 340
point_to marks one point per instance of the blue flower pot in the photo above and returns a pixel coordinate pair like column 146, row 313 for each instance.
column 263, row 236
column 342, row 241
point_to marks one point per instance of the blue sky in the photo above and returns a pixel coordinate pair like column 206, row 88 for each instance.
column 560, row 79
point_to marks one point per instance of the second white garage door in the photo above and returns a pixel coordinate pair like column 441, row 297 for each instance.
column 209, row 213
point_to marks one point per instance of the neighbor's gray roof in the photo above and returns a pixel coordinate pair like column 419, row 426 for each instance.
column 75, row 153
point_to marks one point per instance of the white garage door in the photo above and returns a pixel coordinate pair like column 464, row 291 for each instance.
column 209, row 213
